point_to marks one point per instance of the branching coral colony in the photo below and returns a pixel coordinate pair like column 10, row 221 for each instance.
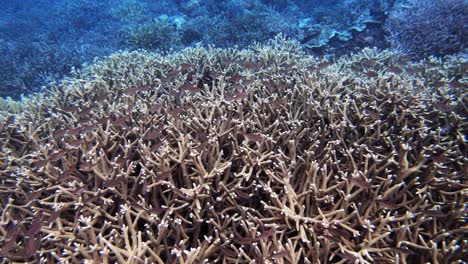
column 222, row 156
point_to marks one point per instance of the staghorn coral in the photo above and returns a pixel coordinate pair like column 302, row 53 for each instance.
column 425, row 28
column 261, row 155
column 128, row 10
column 160, row 34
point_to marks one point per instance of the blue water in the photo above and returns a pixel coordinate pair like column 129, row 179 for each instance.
column 42, row 41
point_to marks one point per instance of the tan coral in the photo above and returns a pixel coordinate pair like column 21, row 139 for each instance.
column 262, row 155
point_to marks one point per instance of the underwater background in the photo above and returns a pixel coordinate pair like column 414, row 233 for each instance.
column 42, row 41
column 254, row 131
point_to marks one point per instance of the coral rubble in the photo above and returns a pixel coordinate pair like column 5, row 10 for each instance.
column 263, row 155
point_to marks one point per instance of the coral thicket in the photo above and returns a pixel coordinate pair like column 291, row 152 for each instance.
column 263, row 155
column 424, row 28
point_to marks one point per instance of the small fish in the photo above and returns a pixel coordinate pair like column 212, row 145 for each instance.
column 355, row 67
column 228, row 61
column 236, row 78
column 31, row 246
column 120, row 122
column 370, row 62
column 360, row 182
column 121, row 160
column 87, row 128
column 156, row 210
column 85, row 111
column 65, row 175
column 36, row 225
column 204, row 155
column 132, row 91
column 464, row 66
column 246, row 82
column 175, row 113
column 144, row 186
column 440, row 158
column 268, row 233
column 36, row 194
column 59, row 133
column 242, row 194
column 323, row 64
column 369, row 39
column 237, row 87
column 13, row 231
column 405, row 251
column 251, row 65
column 227, row 252
column 372, row 74
column 174, row 93
column 146, row 87
column 190, row 87
column 152, row 134
column 373, row 114
column 162, row 175
column 434, row 213
column 340, row 232
column 236, row 96
column 40, row 164
column 71, row 109
column 80, row 190
column 404, row 59
column 53, row 216
column 8, row 246
column 167, row 79
column 243, row 240
column 185, row 66
column 155, row 108
column 156, row 146
column 74, row 131
column 170, row 75
column 102, row 120
column 280, row 254
column 217, row 75
column 74, row 143
column 389, row 205
column 444, row 107
column 395, row 69
column 253, row 137
column 279, row 102
column 113, row 182
column 173, row 73
column 86, row 166
column 347, row 256
column 332, row 238
column 137, row 206
column 456, row 84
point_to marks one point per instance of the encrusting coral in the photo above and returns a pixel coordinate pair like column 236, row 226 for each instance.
column 263, row 155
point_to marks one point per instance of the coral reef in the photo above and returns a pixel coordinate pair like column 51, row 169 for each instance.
column 159, row 34
column 129, row 10
column 40, row 40
column 424, row 28
column 263, row 155
column 342, row 20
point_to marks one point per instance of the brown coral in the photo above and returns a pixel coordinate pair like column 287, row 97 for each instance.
column 264, row 155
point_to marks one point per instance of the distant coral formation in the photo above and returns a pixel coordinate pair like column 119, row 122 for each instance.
column 45, row 41
column 264, row 155
column 41, row 41
column 424, row 28
column 159, row 34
